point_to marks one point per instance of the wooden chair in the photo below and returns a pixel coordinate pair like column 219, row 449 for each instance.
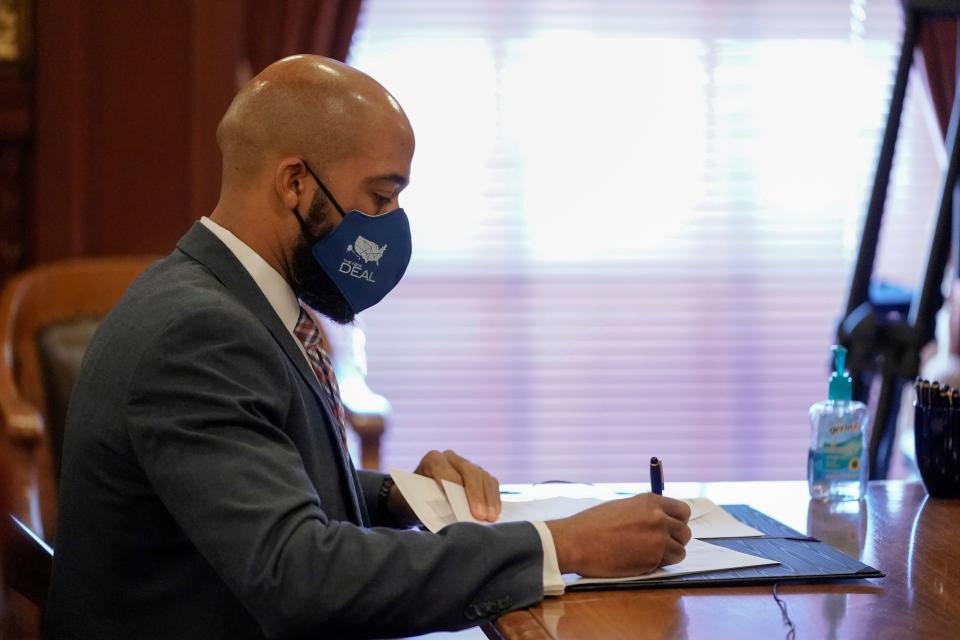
column 25, row 566
column 32, row 302
column 70, row 297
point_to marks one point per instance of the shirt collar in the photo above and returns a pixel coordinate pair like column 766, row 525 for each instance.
column 273, row 285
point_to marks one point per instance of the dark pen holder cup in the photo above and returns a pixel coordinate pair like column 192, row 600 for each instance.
column 937, row 433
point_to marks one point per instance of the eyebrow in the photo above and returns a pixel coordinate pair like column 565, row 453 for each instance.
column 396, row 178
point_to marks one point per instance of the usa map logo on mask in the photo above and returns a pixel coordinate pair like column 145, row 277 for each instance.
column 367, row 250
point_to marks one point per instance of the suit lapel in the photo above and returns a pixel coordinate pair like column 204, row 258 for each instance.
column 204, row 247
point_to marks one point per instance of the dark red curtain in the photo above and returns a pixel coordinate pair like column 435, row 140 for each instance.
column 278, row 29
column 938, row 46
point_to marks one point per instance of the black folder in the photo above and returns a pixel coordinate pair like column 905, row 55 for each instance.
column 801, row 558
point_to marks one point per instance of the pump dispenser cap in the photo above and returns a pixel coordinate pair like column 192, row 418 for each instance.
column 841, row 385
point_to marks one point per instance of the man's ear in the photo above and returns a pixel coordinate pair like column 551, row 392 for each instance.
column 289, row 181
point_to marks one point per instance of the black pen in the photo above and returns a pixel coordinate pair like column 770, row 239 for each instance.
column 656, row 475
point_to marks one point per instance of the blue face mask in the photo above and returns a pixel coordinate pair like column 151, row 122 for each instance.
column 365, row 256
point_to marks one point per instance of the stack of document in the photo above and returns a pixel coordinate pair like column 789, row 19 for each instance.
column 438, row 508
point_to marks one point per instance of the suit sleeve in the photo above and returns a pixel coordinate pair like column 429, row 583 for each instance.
column 205, row 414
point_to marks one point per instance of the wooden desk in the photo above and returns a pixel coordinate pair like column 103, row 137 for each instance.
column 913, row 539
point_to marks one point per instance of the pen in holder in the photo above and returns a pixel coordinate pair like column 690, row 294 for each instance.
column 936, row 428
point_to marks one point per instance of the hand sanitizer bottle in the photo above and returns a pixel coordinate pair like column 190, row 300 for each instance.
column 837, row 461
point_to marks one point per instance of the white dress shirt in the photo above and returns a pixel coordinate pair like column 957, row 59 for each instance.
column 285, row 304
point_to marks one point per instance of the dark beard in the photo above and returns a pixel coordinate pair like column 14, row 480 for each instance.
column 310, row 282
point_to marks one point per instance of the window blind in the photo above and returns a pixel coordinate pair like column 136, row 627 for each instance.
column 633, row 226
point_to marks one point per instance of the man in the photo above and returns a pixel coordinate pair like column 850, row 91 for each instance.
column 206, row 491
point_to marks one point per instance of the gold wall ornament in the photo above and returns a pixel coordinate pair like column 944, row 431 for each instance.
column 9, row 32
column 16, row 35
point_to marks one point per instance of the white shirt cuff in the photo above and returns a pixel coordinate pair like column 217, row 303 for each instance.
column 552, row 580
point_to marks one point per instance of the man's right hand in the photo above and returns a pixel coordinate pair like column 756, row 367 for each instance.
column 623, row 537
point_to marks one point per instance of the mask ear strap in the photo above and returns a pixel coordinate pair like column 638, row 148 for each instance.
column 303, row 223
column 326, row 191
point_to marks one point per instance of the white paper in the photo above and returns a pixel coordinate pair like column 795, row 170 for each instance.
column 709, row 520
column 519, row 511
column 437, row 510
column 425, row 498
column 702, row 557
column 699, row 506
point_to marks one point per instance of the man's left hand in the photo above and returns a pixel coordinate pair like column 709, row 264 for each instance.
column 482, row 489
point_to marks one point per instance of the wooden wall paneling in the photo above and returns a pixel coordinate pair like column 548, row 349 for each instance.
column 128, row 97
column 137, row 114
column 56, row 225
column 216, row 49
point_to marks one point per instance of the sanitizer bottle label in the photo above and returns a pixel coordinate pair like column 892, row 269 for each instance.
column 839, row 451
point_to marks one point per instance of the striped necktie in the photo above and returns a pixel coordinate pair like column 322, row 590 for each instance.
column 308, row 333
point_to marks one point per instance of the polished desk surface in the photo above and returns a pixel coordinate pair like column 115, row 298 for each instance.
column 915, row 540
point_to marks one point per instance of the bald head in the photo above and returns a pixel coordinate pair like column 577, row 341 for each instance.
column 306, row 106
column 304, row 135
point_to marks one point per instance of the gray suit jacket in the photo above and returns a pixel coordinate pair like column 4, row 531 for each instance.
column 205, row 492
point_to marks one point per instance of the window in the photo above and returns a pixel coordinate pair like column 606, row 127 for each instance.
column 634, row 224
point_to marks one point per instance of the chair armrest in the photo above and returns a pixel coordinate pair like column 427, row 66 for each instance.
column 367, row 425
column 367, row 414
column 370, row 428
column 359, row 399
column 22, row 422
column 362, row 403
